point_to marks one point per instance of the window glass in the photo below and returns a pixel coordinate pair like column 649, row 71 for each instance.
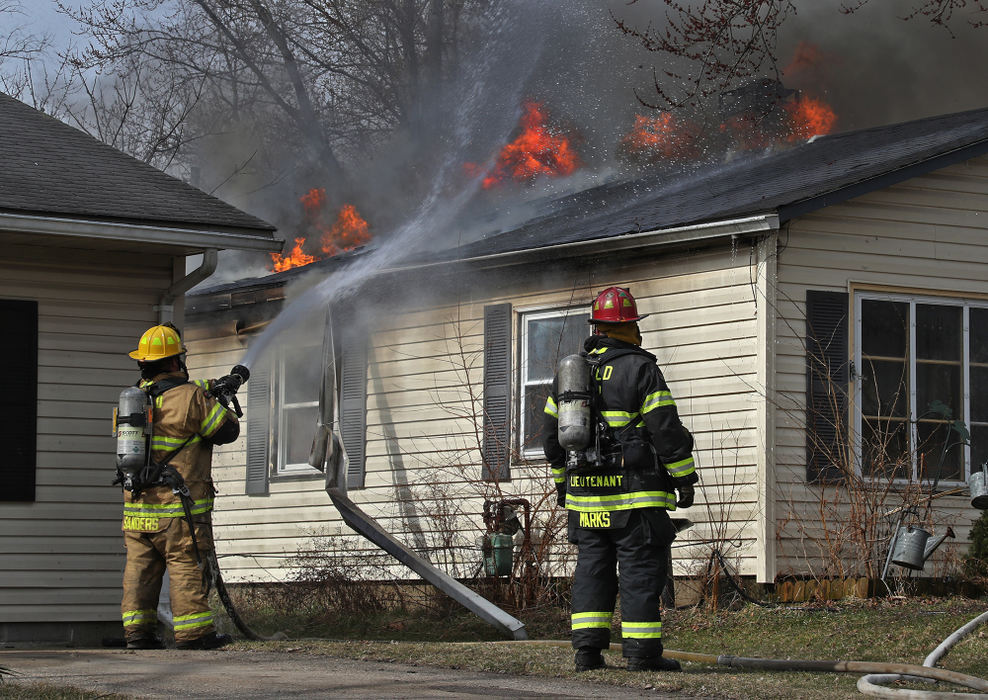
column 979, row 446
column 940, row 453
column 979, row 335
column 549, row 340
column 300, row 426
column 296, row 407
column 885, row 448
column 908, row 429
column 884, row 390
column 884, row 328
column 535, row 396
column 548, row 337
column 938, row 332
column 302, row 374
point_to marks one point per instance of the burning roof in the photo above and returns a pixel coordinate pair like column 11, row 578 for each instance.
column 537, row 150
column 327, row 237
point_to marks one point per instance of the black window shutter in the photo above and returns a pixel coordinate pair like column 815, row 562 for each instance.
column 18, row 399
column 497, row 393
column 258, row 430
column 353, row 407
column 827, row 376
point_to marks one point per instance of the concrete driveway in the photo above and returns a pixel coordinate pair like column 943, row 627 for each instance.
column 261, row 674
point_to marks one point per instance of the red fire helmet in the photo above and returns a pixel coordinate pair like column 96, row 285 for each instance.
column 615, row 305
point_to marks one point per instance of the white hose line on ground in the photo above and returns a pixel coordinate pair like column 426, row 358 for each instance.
column 875, row 684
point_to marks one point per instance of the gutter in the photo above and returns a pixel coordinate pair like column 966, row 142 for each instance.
column 166, row 305
column 200, row 239
column 729, row 228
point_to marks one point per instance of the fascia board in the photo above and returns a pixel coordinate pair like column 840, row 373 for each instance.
column 200, row 239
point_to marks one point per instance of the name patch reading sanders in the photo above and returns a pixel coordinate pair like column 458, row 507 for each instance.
column 140, row 523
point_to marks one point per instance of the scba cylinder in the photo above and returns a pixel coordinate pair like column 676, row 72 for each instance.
column 573, row 384
column 132, row 423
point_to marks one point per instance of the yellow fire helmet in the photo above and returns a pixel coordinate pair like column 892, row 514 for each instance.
column 157, row 343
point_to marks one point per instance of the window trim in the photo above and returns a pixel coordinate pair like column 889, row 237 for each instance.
column 524, row 316
column 912, row 298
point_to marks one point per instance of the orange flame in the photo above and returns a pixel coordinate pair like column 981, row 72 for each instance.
column 350, row 231
column 535, row 151
column 347, row 232
column 662, row 136
column 810, row 117
column 297, row 258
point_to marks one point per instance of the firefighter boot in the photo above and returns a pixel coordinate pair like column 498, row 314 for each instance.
column 589, row 658
column 208, row 641
column 146, row 642
column 653, row 663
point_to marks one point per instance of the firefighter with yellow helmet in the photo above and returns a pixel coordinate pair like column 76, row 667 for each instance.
column 166, row 427
column 619, row 453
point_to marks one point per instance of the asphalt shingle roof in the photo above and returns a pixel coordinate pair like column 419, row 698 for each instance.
column 791, row 182
column 50, row 168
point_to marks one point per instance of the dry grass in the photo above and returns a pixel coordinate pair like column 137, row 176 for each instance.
column 898, row 630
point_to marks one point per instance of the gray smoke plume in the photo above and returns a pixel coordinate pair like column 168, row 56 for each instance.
column 871, row 66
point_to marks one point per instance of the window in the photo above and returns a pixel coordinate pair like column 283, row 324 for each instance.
column 296, row 407
column 547, row 336
column 923, row 381
column 19, row 399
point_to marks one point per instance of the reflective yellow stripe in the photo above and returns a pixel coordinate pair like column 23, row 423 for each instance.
column 213, row 420
column 597, row 351
column 683, row 467
column 621, row 501
column 187, row 622
column 559, row 474
column 139, row 617
column 656, row 399
column 551, row 408
column 641, row 630
column 167, row 510
column 201, row 383
column 165, row 444
column 590, row 620
column 618, row 419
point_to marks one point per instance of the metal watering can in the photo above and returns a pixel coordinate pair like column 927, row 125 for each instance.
column 912, row 546
column 979, row 489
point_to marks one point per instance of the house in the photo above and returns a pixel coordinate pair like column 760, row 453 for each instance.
column 814, row 310
column 93, row 248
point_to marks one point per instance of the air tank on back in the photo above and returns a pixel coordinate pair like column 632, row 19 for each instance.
column 573, row 398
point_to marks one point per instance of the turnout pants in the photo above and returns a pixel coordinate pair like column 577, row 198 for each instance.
column 148, row 554
column 630, row 560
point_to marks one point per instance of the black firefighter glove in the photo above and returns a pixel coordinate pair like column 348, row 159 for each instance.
column 561, row 495
column 686, row 495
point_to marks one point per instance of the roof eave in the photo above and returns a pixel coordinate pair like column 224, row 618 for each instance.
column 198, row 239
column 656, row 238
column 887, row 179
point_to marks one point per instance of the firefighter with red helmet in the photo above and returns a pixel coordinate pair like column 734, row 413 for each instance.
column 619, row 492
column 168, row 495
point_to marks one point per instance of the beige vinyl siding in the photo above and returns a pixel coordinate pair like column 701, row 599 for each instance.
column 62, row 556
column 925, row 236
column 424, row 408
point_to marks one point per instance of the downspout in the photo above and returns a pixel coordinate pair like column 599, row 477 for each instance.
column 166, row 305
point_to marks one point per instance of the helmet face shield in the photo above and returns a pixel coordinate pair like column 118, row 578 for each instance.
column 158, row 343
column 615, row 305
